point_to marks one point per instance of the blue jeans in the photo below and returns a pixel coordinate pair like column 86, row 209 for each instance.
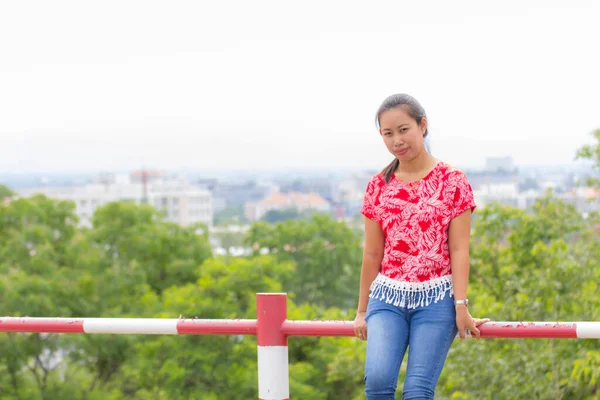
column 427, row 331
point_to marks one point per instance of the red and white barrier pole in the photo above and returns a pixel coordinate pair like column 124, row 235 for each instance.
column 547, row 330
column 272, row 329
column 273, row 371
column 129, row 326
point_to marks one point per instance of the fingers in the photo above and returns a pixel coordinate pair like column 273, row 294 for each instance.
column 475, row 322
column 360, row 332
column 462, row 332
column 360, row 326
column 470, row 329
column 361, row 335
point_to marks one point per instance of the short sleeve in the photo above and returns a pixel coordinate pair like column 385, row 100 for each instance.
column 368, row 207
column 463, row 195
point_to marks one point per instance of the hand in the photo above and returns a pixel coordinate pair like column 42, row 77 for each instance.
column 464, row 321
column 360, row 326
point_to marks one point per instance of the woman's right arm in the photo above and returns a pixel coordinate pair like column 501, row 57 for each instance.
column 371, row 264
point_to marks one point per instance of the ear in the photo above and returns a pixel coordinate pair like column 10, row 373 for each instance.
column 423, row 125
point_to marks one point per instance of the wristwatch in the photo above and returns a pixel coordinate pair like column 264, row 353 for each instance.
column 465, row 302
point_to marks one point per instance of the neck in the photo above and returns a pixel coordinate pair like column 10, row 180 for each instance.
column 417, row 164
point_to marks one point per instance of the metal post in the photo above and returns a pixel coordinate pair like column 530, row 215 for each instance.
column 273, row 370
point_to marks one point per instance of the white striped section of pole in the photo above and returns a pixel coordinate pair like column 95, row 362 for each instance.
column 546, row 330
column 273, row 371
column 126, row 326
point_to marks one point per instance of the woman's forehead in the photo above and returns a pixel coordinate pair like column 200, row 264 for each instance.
column 395, row 116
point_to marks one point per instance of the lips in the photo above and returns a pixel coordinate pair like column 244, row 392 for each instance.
column 401, row 151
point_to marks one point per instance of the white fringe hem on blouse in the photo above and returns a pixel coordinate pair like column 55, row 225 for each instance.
column 410, row 294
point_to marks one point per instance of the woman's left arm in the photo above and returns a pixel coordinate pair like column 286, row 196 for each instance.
column 459, row 237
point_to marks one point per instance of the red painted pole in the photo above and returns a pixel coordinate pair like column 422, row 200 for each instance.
column 318, row 328
column 46, row 325
column 273, row 371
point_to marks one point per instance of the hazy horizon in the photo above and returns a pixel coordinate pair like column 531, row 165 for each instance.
column 22, row 180
column 245, row 86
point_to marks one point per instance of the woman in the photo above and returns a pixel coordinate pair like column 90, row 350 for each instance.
column 413, row 285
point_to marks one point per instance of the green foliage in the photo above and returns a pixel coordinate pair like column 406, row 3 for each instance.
column 274, row 216
column 535, row 265
column 591, row 152
column 233, row 214
column 529, row 266
column 36, row 279
column 229, row 239
column 50, row 267
column 5, row 192
column 326, row 253
column 167, row 253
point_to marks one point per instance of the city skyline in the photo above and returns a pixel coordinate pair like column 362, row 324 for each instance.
column 41, row 178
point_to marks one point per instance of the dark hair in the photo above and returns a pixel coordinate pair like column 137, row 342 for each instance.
column 413, row 108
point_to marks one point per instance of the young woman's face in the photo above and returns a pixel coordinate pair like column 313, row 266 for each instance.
column 401, row 134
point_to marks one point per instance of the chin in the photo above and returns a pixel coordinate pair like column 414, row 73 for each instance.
column 405, row 157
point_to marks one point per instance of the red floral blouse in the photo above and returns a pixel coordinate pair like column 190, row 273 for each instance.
column 415, row 218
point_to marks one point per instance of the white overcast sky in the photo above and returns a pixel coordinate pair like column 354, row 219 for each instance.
column 114, row 85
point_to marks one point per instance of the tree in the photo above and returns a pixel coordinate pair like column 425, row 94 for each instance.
column 537, row 265
column 327, row 257
column 5, row 192
column 228, row 239
column 37, row 278
column 591, row 152
column 274, row 216
column 211, row 367
column 166, row 253
column 51, row 267
column 232, row 214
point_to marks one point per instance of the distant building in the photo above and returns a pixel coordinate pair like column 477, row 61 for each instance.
column 283, row 201
column 238, row 194
column 324, row 187
column 505, row 193
column 145, row 175
column 497, row 183
column 350, row 192
column 209, row 183
column 181, row 202
column 495, row 164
